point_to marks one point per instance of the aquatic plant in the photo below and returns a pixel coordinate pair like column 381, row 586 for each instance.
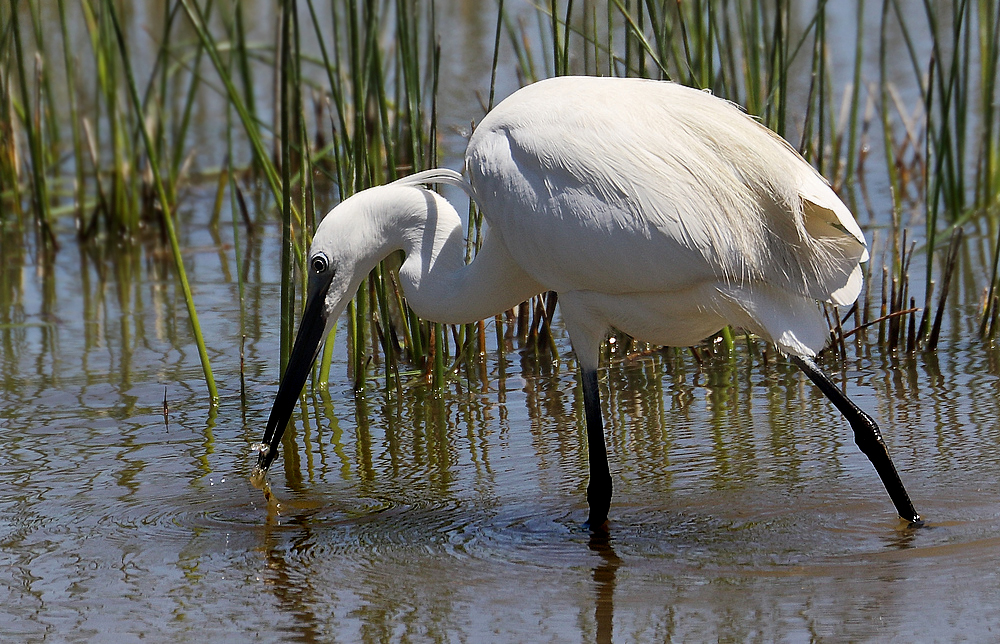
column 88, row 131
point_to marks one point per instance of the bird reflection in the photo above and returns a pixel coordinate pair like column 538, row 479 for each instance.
column 604, row 584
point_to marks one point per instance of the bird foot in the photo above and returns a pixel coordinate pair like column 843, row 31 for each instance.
column 598, row 526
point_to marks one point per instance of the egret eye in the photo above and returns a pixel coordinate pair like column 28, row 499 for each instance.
column 320, row 264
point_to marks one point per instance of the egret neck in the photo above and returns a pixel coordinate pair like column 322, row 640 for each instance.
column 438, row 284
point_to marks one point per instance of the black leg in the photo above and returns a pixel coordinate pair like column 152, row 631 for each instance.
column 866, row 435
column 599, row 489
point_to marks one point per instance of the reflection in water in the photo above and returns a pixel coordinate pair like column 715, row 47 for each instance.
column 741, row 504
column 742, row 508
column 284, row 578
column 604, row 585
column 429, row 506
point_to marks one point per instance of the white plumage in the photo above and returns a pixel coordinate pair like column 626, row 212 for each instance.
column 649, row 207
column 696, row 215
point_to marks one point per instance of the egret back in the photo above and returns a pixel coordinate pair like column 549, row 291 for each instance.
column 621, row 186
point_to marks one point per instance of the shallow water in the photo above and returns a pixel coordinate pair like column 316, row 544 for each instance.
column 742, row 509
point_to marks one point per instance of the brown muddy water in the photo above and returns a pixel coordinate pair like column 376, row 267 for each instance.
column 743, row 511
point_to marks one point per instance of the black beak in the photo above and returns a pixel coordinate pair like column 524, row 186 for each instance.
column 307, row 342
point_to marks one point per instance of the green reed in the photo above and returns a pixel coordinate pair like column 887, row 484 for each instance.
column 359, row 109
column 379, row 127
column 286, row 94
column 751, row 53
column 167, row 217
column 988, row 166
column 32, row 127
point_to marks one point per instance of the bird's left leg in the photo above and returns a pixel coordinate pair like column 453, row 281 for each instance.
column 599, row 489
column 866, row 435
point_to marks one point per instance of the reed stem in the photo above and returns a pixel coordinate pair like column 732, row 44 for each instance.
column 165, row 207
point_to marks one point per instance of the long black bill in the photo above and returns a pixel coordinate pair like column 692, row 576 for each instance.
column 304, row 351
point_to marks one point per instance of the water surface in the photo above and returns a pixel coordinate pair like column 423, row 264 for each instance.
column 742, row 510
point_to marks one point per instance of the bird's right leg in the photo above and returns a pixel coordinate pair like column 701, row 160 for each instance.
column 599, row 489
column 866, row 435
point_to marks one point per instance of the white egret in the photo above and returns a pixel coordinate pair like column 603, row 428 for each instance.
column 649, row 207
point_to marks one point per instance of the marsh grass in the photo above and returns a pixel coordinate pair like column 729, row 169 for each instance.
column 355, row 105
column 760, row 54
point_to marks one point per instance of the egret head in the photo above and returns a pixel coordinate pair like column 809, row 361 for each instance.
column 341, row 255
column 350, row 241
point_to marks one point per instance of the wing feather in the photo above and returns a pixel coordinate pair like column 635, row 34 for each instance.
column 676, row 174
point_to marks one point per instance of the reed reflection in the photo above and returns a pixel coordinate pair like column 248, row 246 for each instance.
column 326, row 417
